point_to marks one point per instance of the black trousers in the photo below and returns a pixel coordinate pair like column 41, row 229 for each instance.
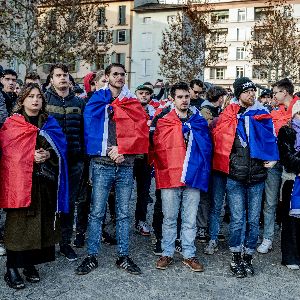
column 290, row 234
column 142, row 173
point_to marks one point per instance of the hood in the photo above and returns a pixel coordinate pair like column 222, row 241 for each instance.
column 86, row 81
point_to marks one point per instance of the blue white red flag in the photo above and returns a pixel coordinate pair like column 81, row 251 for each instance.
column 56, row 138
column 131, row 123
column 256, row 130
column 197, row 162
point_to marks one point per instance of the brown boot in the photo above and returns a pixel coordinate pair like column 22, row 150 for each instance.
column 164, row 262
column 193, row 264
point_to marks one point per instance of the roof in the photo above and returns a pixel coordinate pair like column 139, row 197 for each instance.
column 158, row 6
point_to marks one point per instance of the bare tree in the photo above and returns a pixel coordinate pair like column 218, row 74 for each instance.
column 186, row 43
column 37, row 32
column 274, row 47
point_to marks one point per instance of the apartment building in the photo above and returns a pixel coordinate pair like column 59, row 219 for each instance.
column 149, row 20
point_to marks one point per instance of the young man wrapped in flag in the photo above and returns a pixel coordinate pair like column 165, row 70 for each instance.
column 244, row 147
column 182, row 157
column 115, row 126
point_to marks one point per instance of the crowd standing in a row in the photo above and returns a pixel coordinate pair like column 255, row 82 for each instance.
column 62, row 147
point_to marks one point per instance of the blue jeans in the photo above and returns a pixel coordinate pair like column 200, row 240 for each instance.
column 217, row 201
column 171, row 199
column 272, row 187
column 244, row 199
column 103, row 177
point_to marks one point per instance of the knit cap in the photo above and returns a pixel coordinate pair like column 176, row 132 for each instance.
column 242, row 84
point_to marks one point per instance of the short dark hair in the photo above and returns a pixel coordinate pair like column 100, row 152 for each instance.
column 32, row 76
column 285, row 84
column 214, row 93
column 178, row 86
column 9, row 72
column 108, row 68
column 196, row 82
column 148, row 83
column 62, row 66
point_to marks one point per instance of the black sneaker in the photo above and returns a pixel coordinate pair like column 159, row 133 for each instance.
column 108, row 239
column 237, row 266
column 31, row 274
column 178, row 246
column 157, row 250
column 202, row 236
column 126, row 263
column 79, row 240
column 68, row 252
column 247, row 262
column 221, row 237
column 89, row 264
column 13, row 279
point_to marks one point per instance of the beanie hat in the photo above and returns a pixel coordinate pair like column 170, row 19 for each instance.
column 296, row 108
column 266, row 92
column 242, row 84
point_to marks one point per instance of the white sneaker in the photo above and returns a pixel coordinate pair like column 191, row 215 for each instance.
column 293, row 267
column 143, row 228
column 265, row 246
column 211, row 247
column 2, row 250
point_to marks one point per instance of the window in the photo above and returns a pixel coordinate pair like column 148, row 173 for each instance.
column 101, row 16
column 221, row 16
column 260, row 13
column 171, row 19
column 146, row 67
column 237, row 34
column 121, row 36
column 240, row 53
column 239, row 72
column 147, row 20
column 101, row 36
column 146, row 41
column 118, row 58
column 100, row 62
column 259, row 72
column 241, row 15
column 217, row 73
column 219, row 35
column 73, row 67
column 122, row 15
column 219, row 54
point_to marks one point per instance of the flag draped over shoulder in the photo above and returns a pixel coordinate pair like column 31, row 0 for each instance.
column 56, row 138
column 17, row 142
column 295, row 199
column 255, row 130
column 175, row 165
column 131, row 123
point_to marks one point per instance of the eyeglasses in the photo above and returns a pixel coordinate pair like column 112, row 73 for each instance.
column 198, row 92
column 116, row 74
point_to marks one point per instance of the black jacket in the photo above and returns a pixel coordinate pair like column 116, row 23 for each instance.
column 69, row 114
column 289, row 158
column 10, row 101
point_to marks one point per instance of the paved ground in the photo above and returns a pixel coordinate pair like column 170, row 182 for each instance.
column 58, row 281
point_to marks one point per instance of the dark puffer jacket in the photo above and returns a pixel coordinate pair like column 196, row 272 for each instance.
column 68, row 112
column 289, row 158
column 242, row 167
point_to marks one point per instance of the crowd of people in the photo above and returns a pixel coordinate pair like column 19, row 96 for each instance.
column 71, row 155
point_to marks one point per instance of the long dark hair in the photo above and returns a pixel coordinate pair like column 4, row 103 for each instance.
column 25, row 93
